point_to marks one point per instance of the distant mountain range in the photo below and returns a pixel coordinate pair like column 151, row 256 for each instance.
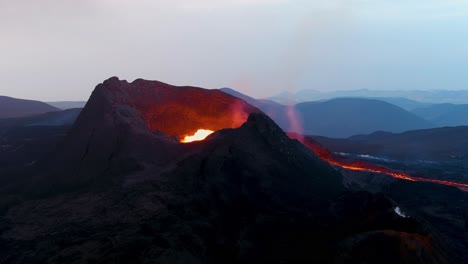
column 404, row 103
column 444, row 114
column 13, row 107
column 437, row 114
column 434, row 96
column 436, row 144
column 56, row 118
column 337, row 117
column 341, row 117
column 352, row 116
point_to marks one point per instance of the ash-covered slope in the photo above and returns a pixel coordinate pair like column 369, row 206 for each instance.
column 120, row 191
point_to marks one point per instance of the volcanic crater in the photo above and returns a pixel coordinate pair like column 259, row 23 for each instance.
column 178, row 111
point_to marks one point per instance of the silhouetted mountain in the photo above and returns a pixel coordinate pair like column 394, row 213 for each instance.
column 444, row 114
column 341, row 117
column 352, row 116
column 426, row 96
column 67, row 104
column 57, row 118
column 404, row 103
column 121, row 188
column 12, row 107
column 437, row 144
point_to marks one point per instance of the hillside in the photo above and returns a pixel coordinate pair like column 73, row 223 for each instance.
column 56, row 118
column 352, row 116
column 436, row 144
column 13, row 107
column 341, row 117
column 421, row 96
column 444, row 114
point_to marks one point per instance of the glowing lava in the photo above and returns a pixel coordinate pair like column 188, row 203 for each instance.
column 358, row 165
column 201, row 134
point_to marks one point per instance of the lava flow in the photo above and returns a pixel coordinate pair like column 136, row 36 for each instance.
column 201, row 134
column 358, row 165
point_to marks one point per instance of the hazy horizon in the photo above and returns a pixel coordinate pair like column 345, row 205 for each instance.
column 60, row 50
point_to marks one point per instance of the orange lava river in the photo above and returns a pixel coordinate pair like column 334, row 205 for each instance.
column 358, row 165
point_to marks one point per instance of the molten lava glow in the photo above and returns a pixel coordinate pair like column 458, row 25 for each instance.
column 358, row 165
column 201, row 134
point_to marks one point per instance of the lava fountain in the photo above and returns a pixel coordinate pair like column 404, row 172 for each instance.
column 201, row 134
column 358, row 165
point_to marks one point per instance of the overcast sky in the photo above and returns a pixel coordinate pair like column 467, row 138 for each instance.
column 61, row 49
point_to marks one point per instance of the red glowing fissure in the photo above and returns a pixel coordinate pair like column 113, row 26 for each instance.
column 358, row 165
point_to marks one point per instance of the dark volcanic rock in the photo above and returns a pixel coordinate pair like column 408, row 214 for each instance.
column 120, row 191
column 390, row 246
column 26, row 141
